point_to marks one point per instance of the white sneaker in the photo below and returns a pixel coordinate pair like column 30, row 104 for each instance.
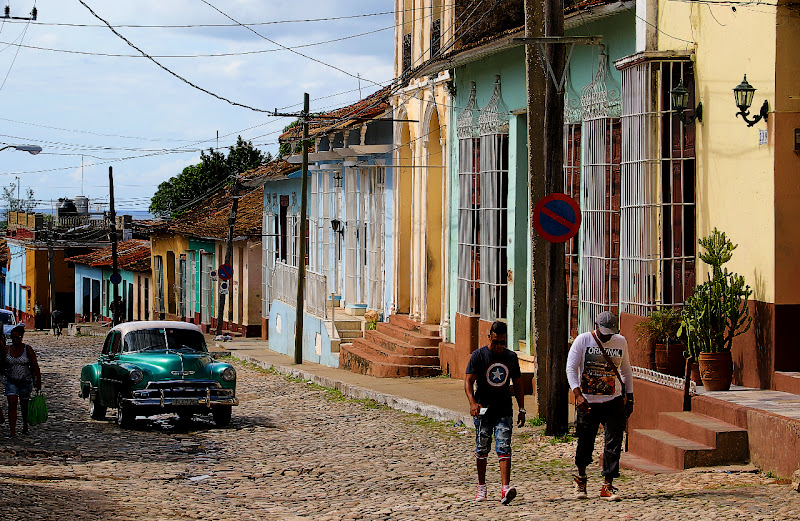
column 480, row 495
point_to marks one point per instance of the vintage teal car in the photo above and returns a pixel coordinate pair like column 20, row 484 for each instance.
column 156, row 367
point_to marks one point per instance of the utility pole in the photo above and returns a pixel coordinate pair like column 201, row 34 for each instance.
column 113, row 232
column 229, row 249
column 545, row 18
column 301, row 269
column 50, row 269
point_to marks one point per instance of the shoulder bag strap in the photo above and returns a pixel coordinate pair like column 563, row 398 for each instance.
column 612, row 364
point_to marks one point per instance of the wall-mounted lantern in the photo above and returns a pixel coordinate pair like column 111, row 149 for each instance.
column 337, row 226
column 680, row 100
column 743, row 94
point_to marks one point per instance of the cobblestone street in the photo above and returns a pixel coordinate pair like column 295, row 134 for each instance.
column 297, row 451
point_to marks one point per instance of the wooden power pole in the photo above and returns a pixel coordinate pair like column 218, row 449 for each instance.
column 301, row 268
column 115, row 277
column 228, row 250
column 546, row 157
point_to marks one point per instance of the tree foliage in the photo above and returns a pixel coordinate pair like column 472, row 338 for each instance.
column 180, row 193
column 18, row 204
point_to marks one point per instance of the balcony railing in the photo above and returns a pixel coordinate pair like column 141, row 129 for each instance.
column 284, row 288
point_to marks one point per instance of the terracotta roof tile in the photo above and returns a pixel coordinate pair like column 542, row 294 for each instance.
column 350, row 116
column 132, row 255
column 209, row 219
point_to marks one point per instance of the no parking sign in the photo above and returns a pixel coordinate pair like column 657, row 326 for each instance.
column 557, row 217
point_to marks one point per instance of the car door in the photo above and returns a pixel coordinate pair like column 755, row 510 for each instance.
column 109, row 369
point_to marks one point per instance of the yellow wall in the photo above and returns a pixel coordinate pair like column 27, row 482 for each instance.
column 161, row 245
column 735, row 177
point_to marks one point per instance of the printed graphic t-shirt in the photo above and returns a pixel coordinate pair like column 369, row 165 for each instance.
column 494, row 373
column 587, row 368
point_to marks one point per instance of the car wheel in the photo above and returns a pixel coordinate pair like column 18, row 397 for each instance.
column 96, row 411
column 125, row 414
column 222, row 415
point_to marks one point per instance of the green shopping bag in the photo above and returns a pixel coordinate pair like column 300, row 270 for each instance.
column 37, row 409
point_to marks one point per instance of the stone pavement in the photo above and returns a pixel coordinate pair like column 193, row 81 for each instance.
column 296, row 450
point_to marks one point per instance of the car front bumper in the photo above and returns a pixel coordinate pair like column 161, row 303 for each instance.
column 182, row 394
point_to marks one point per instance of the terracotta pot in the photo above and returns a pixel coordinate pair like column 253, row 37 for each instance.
column 695, row 374
column 670, row 360
column 716, row 370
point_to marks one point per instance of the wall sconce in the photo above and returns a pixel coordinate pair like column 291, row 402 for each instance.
column 680, row 100
column 337, row 178
column 743, row 94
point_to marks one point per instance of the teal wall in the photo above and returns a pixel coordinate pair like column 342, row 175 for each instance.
column 209, row 247
column 619, row 37
column 510, row 65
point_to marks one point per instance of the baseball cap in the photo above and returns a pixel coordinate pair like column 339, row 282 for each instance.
column 607, row 323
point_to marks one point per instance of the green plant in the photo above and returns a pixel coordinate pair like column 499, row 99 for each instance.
column 717, row 311
column 660, row 327
column 536, row 421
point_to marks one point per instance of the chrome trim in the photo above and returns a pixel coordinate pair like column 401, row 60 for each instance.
column 136, row 402
column 162, row 398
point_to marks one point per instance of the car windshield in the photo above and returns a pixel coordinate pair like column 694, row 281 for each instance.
column 7, row 319
column 165, row 338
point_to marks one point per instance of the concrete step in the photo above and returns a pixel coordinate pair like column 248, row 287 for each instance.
column 407, row 336
column 350, row 325
column 786, row 381
column 356, row 360
column 388, row 344
column 722, row 436
column 667, row 449
column 349, row 334
column 395, row 357
column 632, row 461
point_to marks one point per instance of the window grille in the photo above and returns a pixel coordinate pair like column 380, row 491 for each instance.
column 572, row 187
column 268, row 252
column 191, row 283
column 158, row 273
column 376, row 190
column 181, row 289
column 658, row 198
column 468, row 291
column 436, row 37
column 493, row 122
column 352, row 221
column 406, row 53
column 206, row 293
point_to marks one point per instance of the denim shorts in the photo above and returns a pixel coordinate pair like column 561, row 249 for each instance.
column 23, row 388
column 500, row 427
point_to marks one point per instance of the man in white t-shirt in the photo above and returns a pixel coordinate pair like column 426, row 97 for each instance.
column 598, row 398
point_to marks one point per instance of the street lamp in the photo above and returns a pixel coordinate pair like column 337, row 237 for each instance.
column 31, row 149
column 743, row 94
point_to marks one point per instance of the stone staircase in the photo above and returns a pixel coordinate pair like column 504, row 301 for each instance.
column 787, row 381
column 397, row 348
column 684, row 440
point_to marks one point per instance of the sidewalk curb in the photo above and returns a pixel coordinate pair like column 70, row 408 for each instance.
column 354, row 391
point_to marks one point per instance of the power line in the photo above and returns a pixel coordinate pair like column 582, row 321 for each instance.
column 175, row 74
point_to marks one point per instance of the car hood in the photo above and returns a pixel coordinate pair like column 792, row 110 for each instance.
column 170, row 365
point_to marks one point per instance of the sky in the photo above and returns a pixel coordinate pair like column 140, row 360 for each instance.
column 69, row 84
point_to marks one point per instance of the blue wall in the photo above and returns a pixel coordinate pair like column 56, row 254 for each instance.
column 16, row 278
column 283, row 316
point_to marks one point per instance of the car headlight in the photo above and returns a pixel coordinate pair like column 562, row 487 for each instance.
column 228, row 374
column 136, row 376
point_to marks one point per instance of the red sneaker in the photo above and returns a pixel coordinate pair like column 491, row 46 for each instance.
column 507, row 493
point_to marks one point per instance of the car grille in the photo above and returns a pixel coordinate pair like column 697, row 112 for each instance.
column 183, row 389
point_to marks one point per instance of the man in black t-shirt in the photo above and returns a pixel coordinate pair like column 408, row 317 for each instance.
column 494, row 368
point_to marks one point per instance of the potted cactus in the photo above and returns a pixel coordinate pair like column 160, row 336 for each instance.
column 660, row 327
column 715, row 314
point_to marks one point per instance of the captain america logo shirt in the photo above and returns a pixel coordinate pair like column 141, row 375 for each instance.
column 497, row 374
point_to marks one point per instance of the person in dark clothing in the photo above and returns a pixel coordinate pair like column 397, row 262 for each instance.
column 493, row 368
